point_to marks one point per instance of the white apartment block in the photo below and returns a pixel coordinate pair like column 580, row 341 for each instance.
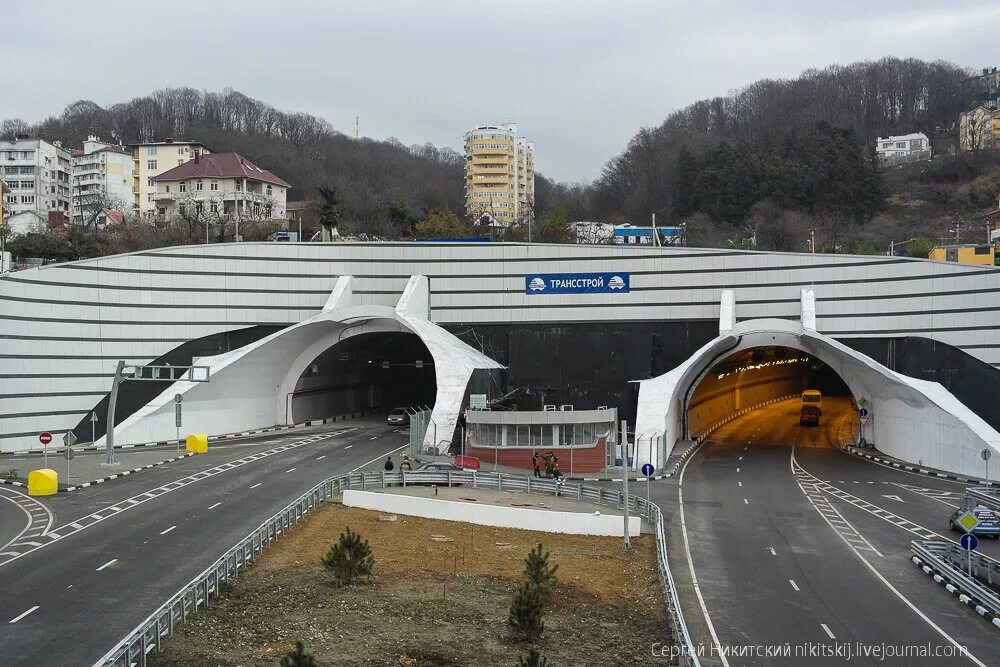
column 37, row 178
column 220, row 186
column 149, row 160
column 102, row 179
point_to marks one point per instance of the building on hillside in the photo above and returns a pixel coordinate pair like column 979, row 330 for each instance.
column 979, row 129
column 151, row 159
column 3, row 201
column 994, row 218
column 499, row 175
column 300, row 213
column 220, row 186
column 632, row 235
column 904, row 148
column 102, row 182
column 965, row 253
column 37, row 174
column 984, row 89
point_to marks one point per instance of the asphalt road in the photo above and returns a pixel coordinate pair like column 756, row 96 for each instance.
column 793, row 541
column 72, row 599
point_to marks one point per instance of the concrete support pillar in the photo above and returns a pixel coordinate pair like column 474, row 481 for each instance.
column 727, row 311
column 808, row 301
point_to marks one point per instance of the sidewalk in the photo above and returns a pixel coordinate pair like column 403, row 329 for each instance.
column 873, row 454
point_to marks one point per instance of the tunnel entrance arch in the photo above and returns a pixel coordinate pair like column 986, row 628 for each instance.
column 753, row 377
column 913, row 420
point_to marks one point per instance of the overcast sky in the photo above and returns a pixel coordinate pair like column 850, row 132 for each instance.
column 579, row 77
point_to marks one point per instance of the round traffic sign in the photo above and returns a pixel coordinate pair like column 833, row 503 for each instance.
column 986, row 454
column 648, row 469
column 863, row 412
column 69, row 454
column 45, row 437
column 969, row 542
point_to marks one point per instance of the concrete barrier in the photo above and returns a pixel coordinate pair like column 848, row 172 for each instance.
column 43, row 482
column 197, row 443
column 573, row 523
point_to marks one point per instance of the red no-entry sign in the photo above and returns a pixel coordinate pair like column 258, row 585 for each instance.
column 45, row 437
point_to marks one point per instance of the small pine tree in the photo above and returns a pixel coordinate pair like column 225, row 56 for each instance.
column 539, row 574
column 350, row 559
column 298, row 657
column 534, row 659
column 526, row 612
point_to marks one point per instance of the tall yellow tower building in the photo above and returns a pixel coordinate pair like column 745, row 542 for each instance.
column 499, row 175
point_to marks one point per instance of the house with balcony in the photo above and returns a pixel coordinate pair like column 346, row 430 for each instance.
column 902, row 149
column 102, row 182
column 220, row 186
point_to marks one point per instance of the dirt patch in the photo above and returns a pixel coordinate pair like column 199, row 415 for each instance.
column 435, row 603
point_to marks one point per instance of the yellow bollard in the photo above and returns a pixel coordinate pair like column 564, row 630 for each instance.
column 197, row 443
column 43, row 482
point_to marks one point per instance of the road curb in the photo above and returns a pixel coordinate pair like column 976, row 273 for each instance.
column 850, row 449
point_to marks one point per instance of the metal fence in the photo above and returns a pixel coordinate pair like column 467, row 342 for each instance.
column 149, row 635
column 949, row 564
column 420, row 421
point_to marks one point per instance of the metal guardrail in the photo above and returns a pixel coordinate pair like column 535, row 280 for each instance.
column 987, row 495
column 149, row 635
column 948, row 562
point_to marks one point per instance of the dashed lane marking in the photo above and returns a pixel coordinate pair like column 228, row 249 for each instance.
column 826, row 629
column 168, row 530
column 215, row 505
column 109, row 563
column 39, row 516
column 22, row 615
column 320, row 458
column 24, row 546
column 256, row 485
column 289, row 470
column 794, row 585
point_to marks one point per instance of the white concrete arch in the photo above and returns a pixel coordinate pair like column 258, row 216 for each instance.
column 249, row 386
column 913, row 420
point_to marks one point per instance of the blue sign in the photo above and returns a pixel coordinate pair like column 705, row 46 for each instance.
column 863, row 412
column 576, row 283
column 647, row 469
column 969, row 542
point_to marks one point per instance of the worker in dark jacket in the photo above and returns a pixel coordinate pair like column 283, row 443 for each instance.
column 536, row 464
column 388, row 464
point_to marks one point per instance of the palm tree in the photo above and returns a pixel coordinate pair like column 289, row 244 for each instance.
column 329, row 211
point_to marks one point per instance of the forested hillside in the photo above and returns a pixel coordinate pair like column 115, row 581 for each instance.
column 779, row 159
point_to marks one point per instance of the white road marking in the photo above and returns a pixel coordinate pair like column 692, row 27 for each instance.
column 746, row 502
column 741, row 458
column 110, row 562
column 892, row 497
column 737, row 470
column 289, row 470
column 826, row 629
column 18, row 618
column 320, row 458
column 690, row 560
column 256, row 485
column 348, row 446
column 740, row 483
column 168, row 530
column 773, row 552
column 374, row 437
column 215, row 505
column 962, row 650
column 794, row 585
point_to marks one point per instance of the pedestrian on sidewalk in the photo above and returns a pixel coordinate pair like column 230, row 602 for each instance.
column 536, row 463
column 388, row 464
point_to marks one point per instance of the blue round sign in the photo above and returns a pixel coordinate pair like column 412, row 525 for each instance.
column 863, row 412
column 648, row 469
column 969, row 542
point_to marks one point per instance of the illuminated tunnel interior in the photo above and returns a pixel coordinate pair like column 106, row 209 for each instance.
column 754, row 376
column 374, row 370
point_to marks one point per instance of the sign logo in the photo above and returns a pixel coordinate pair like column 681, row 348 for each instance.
column 576, row 283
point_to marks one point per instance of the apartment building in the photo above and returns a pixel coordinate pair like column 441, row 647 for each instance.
column 979, row 129
column 102, row 183
column 37, row 177
column 499, row 175
column 149, row 160
column 220, row 186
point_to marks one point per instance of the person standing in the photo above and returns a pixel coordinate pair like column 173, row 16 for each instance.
column 536, row 464
column 388, row 464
